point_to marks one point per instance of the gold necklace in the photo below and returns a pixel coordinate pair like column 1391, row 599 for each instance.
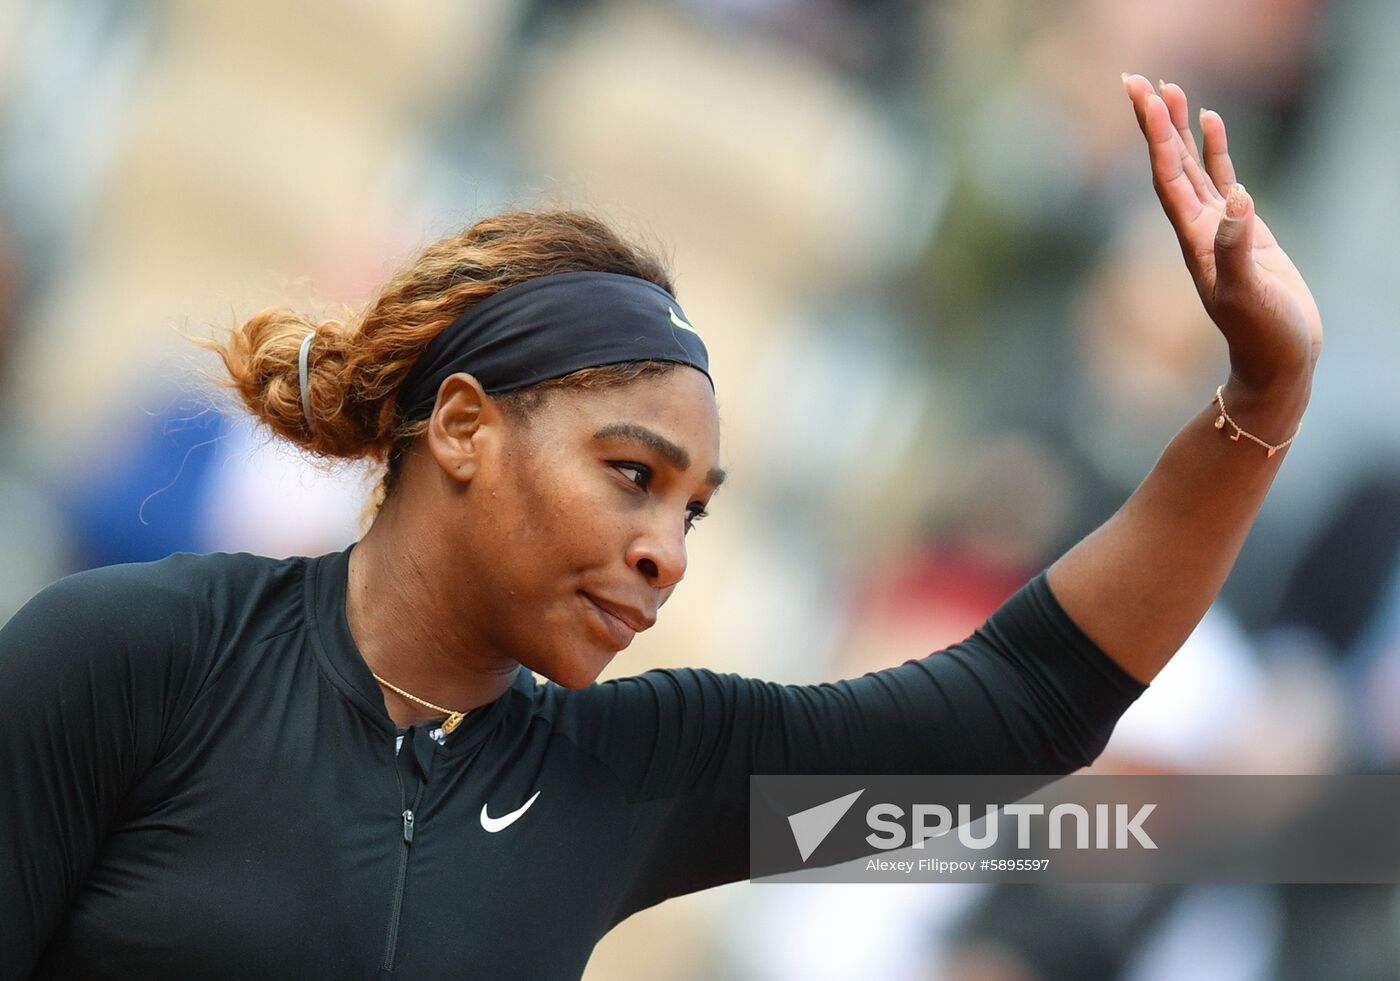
column 454, row 719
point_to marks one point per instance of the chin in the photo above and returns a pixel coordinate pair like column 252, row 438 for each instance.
column 575, row 671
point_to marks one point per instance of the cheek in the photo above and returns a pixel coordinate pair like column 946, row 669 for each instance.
column 570, row 526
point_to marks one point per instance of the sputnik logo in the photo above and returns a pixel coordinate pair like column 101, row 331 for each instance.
column 810, row 827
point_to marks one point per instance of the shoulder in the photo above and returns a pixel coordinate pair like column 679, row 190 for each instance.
column 138, row 594
column 659, row 699
column 174, row 612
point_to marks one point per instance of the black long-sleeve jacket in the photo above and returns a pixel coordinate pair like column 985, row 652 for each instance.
column 198, row 779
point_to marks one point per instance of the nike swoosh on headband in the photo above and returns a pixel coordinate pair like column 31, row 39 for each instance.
column 681, row 323
column 505, row 820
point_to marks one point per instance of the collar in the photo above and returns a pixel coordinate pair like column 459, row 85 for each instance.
column 345, row 667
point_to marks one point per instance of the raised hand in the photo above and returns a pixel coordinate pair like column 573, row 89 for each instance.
column 1249, row 286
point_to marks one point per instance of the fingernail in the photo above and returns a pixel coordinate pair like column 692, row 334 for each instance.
column 1125, row 84
column 1236, row 202
column 1161, row 85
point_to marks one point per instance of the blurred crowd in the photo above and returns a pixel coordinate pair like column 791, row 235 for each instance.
column 950, row 330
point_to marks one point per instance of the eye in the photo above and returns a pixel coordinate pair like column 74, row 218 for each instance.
column 640, row 474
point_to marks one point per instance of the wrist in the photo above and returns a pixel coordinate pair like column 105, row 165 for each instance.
column 1272, row 412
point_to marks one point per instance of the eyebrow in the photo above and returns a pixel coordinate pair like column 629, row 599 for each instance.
column 675, row 455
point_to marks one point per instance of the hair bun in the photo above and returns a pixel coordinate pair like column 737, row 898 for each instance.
column 262, row 357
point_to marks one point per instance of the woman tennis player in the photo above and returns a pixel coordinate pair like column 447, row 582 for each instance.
column 340, row 767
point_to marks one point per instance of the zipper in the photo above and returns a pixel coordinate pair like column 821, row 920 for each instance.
column 391, row 944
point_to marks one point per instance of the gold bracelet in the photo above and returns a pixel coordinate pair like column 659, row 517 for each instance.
column 1224, row 417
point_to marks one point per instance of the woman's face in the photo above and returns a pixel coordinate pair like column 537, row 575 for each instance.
column 587, row 504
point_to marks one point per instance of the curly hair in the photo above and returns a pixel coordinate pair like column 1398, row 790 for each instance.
column 355, row 368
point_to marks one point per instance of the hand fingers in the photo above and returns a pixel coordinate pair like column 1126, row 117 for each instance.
column 1234, row 250
column 1175, row 98
column 1178, row 195
column 1137, row 88
column 1217, row 159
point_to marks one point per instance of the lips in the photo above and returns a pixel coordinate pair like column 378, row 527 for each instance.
column 621, row 622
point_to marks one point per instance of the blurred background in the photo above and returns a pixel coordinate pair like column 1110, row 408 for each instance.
column 950, row 329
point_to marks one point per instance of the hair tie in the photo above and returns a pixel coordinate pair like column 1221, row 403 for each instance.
column 302, row 378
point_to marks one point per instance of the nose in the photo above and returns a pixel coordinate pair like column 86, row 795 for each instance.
column 659, row 555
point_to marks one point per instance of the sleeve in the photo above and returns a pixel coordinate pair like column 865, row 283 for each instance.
column 1027, row 693
column 88, row 685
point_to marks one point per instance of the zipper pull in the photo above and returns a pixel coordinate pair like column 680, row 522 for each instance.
column 408, row 827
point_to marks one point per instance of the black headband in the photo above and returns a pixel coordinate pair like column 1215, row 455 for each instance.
column 551, row 326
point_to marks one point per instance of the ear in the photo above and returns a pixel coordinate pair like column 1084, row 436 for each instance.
column 463, row 424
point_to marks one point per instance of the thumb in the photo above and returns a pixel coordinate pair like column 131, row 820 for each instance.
column 1234, row 244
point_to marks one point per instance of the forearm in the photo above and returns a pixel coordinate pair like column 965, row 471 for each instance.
column 1140, row 583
